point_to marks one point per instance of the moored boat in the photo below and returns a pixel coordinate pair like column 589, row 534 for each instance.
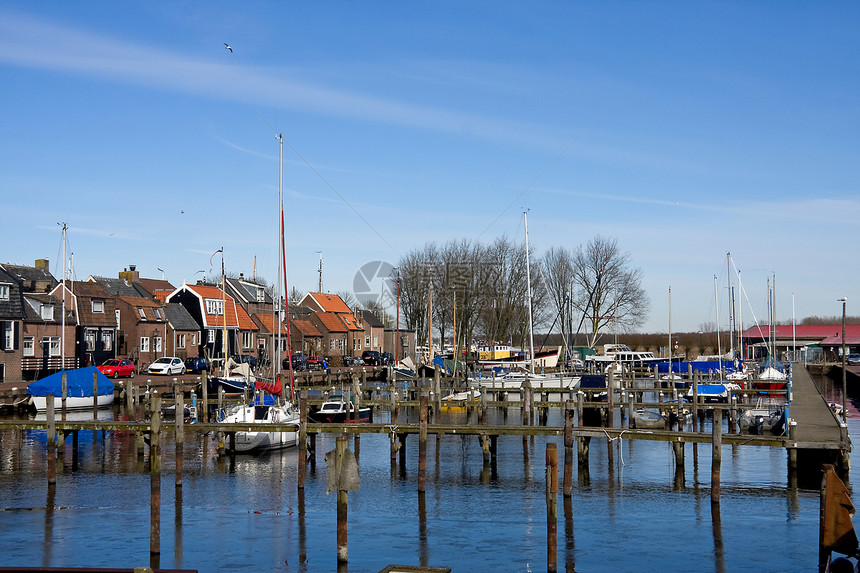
column 79, row 389
column 265, row 411
column 337, row 409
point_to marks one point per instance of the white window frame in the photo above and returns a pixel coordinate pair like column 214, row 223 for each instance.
column 98, row 306
column 156, row 344
column 211, row 338
column 8, row 335
column 28, row 347
column 90, row 337
column 193, row 339
column 367, row 341
column 158, row 313
column 246, row 340
column 107, row 340
column 5, row 291
column 46, row 311
column 53, row 345
column 180, row 341
column 141, row 312
column 144, row 344
column 214, row 307
column 331, row 344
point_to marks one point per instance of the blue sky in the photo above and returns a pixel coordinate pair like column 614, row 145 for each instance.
column 685, row 130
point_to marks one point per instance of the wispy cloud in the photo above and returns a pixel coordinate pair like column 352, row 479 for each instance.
column 32, row 43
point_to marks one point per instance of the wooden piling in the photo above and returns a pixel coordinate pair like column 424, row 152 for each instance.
column 303, row 437
column 716, row 455
column 342, row 499
column 551, row 507
column 437, row 388
column 401, row 437
column 52, row 440
column 422, row 442
column 204, row 388
column 64, row 395
column 568, row 449
column 180, row 432
column 155, row 478
column 95, row 394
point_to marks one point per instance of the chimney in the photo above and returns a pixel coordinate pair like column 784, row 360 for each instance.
column 42, row 265
column 130, row 276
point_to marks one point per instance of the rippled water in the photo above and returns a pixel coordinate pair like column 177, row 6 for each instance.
column 629, row 515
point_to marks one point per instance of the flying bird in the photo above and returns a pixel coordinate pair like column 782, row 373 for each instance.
column 226, row 45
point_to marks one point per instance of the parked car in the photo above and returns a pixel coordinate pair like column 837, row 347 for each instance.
column 853, row 359
column 300, row 363
column 372, row 357
column 197, row 365
column 316, row 363
column 117, row 367
column 167, row 365
column 246, row 359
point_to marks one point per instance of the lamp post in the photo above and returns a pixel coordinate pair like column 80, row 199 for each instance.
column 843, row 300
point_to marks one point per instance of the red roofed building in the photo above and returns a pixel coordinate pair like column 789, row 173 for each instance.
column 218, row 313
column 812, row 342
column 342, row 332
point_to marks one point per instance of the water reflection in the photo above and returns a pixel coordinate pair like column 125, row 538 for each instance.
column 717, row 528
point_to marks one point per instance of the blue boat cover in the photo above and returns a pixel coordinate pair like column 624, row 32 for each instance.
column 79, row 384
column 710, row 389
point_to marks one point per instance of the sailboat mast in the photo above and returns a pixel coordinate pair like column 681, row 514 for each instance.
column 731, row 306
column 717, row 314
column 63, row 331
column 529, row 288
column 284, row 265
column 224, row 307
column 670, row 330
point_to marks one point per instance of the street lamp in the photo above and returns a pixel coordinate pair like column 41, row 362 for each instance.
column 843, row 300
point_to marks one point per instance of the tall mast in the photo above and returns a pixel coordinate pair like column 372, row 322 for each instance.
column 224, row 308
column 319, row 270
column 529, row 286
column 670, row 330
column 63, row 331
column 731, row 306
column 284, row 260
column 717, row 314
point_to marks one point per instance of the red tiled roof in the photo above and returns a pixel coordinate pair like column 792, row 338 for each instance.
column 305, row 328
column 830, row 334
column 329, row 302
column 331, row 322
column 234, row 314
column 350, row 321
column 268, row 322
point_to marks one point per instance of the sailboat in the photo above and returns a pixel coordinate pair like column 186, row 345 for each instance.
column 269, row 405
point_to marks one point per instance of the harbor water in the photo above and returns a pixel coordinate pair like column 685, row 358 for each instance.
column 627, row 512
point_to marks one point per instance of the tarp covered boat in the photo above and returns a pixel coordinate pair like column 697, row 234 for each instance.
column 79, row 389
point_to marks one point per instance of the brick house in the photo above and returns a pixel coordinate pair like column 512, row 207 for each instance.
column 11, row 322
column 42, row 336
column 347, row 326
column 95, row 309
column 374, row 331
column 216, row 312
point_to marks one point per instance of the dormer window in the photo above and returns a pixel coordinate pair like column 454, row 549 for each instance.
column 4, row 292
column 98, row 306
column 214, row 306
column 261, row 294
column 47, row 311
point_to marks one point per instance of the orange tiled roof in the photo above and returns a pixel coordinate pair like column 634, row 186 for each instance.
column 268, row 322
column 332, row 322
column 305, row 328
column 234, row 314
column 329, row 302
column 350, row 321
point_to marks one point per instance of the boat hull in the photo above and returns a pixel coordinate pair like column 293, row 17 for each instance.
column 72, row 402
column 365, row 415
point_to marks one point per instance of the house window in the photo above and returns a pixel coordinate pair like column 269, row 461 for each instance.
column 90, row 338
column 107, row 340
column 4, row 292
column 29, row 346
column 211, row 332
column 193, row 339
column 261, row 294
column 144, row 344
column 8, row 335
column 180, row 341
column 246, row 340
column 367, row 341
column 214, row 306
column 53, row 343
column 375, row 341
column 156, row 344
column 158, row 314
column 98, row 306
column 331, row 344
column 141, row 313
column 356, row 343
column 116, row 312
column 47, row 311
column 340, row 344
column 261, row 342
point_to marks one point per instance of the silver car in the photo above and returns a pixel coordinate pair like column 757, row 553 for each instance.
column 167, row 365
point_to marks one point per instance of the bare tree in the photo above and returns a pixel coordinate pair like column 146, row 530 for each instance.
column 608, row 291
column 558, row 272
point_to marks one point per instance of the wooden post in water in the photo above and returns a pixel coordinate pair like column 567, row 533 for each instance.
column 631, row 397
column 303, row 437
column 180, row 432
column 716, row 455
column 340, row 451
column 155, row 478
column 52, row 440
column 64, row 395
column 129, row 398
column 422, row 442
column 568, row 449
column 204, row 388
column 551, row 507
column 437, row 388
column 95, row 395
column 401, row 437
